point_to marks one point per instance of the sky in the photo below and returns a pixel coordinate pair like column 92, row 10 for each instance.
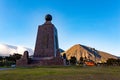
column 94, row 23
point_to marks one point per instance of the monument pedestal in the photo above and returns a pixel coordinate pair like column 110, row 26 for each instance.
column 51, row 61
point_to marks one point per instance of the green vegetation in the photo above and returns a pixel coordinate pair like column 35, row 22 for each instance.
column 113, row 62
column 62, row 73
column 9, row 60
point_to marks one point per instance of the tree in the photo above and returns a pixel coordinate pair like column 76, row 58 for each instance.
column 64, row 56
column 13, row 57
column 81, row 60
column 1, row 58
column 73, row 60
column 8, row 60
column 118, row 62
column 112, row 61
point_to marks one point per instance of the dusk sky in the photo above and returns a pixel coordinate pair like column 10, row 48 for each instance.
column 94, row 23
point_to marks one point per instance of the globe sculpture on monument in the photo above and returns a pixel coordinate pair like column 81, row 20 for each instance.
column 46, row 48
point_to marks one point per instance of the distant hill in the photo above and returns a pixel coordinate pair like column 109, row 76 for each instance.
column 6, row 50
column 87, row 52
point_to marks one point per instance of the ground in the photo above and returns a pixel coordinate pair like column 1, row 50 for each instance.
column 61, row 73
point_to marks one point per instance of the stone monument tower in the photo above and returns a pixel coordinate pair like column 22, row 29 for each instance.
column 46, row 48
column 47, row 40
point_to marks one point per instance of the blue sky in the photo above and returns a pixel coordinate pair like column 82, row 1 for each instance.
column 94, row 23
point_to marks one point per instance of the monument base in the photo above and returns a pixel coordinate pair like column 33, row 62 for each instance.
column 46, row 61
column 37, row 61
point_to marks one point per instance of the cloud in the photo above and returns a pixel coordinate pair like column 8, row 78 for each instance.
column 6, row 50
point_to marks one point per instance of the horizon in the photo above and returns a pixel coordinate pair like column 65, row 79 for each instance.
column 89, row 22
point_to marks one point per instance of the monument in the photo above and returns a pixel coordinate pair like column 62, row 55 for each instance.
column 46, row 48
column 47, row 40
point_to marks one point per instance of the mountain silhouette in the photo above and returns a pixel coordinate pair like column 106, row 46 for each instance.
column 79, row 50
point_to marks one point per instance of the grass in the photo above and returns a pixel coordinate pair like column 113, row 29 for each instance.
column 61, row 73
